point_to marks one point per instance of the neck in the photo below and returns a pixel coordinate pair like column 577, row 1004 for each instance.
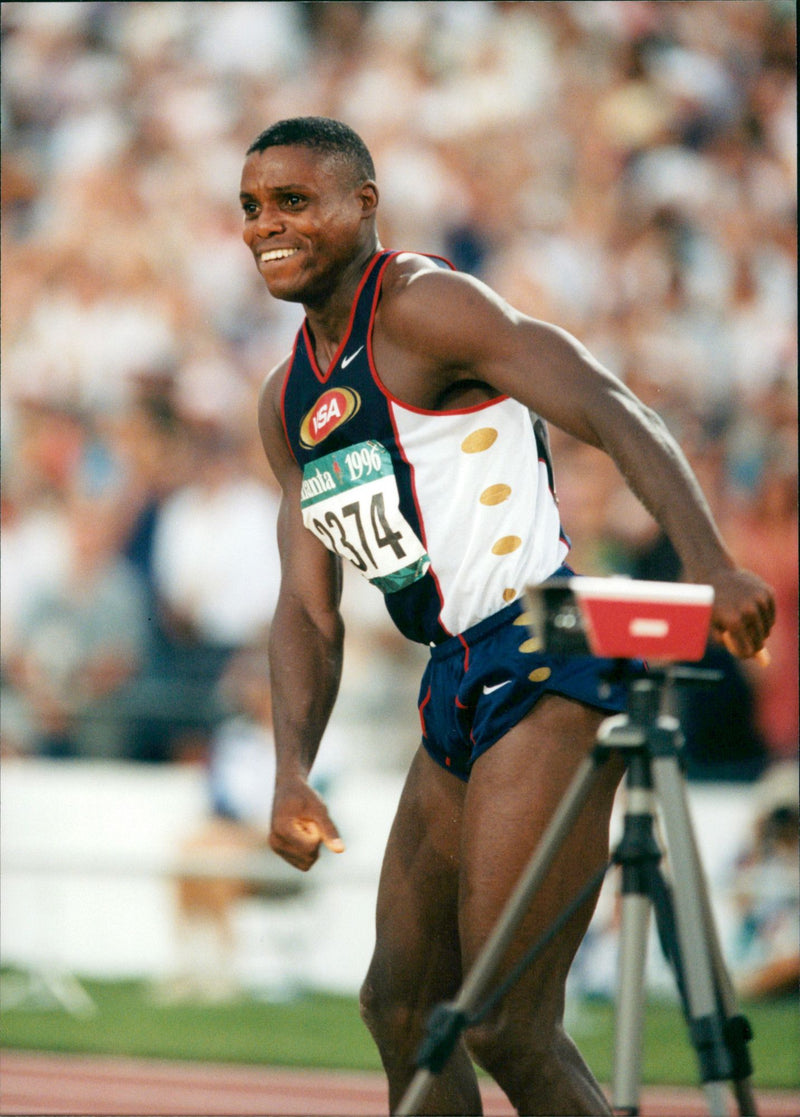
column 328, row 317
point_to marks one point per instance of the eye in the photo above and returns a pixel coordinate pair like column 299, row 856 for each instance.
column 292, row 201
column 249, row 209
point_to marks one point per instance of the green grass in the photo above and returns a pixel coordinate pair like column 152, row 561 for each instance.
column 315, row 1030
column 320, row 1030
column 668, row 1057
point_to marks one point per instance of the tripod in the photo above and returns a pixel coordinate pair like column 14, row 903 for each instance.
column 650, row 742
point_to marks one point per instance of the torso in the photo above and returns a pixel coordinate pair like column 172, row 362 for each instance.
column 375, row 450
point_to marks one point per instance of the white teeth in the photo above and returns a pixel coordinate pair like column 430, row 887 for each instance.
column 277, row 254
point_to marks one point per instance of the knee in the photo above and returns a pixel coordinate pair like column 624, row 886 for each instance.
column 386, row 1014
column 503, row 1046
column 539, row 1068
column 395, row 1013
column 369, row 1003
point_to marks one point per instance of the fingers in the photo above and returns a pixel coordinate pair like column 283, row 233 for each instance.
column 742, row 643
column 300, row 855
column 744, row 613
column 299, row 842
column 761, row 657
column 311, row 831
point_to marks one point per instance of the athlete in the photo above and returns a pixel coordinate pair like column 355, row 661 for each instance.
column 407, row 431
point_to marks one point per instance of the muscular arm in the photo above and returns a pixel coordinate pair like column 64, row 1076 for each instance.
column 464, row 331
column 305, row 653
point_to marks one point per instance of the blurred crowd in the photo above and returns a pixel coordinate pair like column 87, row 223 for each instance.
column 626, row 170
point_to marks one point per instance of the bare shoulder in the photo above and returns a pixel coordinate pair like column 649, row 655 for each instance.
column 413, row 279
column 405, row 266
column 448, row 314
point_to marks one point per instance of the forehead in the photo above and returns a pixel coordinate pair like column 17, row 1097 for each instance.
column 279, row 167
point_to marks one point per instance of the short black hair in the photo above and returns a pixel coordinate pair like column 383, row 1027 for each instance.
column 322, row 134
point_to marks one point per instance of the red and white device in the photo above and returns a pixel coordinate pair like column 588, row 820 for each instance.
column 622, row 618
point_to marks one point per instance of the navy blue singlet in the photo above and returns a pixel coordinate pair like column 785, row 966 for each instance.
column 450, row 513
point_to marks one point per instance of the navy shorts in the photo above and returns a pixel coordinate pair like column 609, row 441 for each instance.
column 480, row 684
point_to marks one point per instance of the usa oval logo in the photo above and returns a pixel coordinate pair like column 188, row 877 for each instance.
column 333, row 408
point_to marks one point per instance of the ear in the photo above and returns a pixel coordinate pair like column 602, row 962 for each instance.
column 368, row 197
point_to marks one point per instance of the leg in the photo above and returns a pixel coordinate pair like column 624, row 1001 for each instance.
column 513, row 791
column 417, row 963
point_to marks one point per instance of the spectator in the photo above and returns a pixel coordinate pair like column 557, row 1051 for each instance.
column 765, row 534
column 80, row 643
column 635, row 183
column 766, row 889
column 214, row 549
column 203, row 533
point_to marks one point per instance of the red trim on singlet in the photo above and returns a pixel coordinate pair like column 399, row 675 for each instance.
column 324, row 377
column 449, row 411
column 283, row 396
column 398, row 441
column 371, row 357
column 395, row 400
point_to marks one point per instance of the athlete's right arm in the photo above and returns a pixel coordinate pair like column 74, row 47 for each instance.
column 305, row 654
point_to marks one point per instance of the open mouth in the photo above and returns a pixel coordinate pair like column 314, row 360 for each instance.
column 276, row 254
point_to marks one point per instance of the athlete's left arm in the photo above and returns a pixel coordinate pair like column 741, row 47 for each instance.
column 464, row 330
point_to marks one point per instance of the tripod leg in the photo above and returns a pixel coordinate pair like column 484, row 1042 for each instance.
column 481, row 975
column 628, row 1032
column 700, row 955
column 638, row 853
column 742, row 1068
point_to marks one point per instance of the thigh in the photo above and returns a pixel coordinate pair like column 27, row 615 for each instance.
column 513, row 792
column 417, row 959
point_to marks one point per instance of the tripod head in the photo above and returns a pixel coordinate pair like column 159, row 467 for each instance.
column 621, row 618
column 664, row 675
column 649, row 631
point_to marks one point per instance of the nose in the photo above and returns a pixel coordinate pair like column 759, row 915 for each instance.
column 270, row 219
column 268, row 222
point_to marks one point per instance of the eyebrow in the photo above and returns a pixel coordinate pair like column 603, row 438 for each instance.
column 289, row 188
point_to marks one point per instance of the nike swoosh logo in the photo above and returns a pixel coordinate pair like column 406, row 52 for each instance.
column 346, row 360
column 497, row 686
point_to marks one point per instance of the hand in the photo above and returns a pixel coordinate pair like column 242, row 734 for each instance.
column 300, row 825
column 743, row 613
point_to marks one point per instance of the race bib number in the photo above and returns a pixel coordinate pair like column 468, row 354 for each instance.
column 351, row 502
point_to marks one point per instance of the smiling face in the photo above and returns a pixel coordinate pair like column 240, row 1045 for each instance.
column 306, row 221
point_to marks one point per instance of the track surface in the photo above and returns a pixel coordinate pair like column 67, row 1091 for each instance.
column 37, row 1083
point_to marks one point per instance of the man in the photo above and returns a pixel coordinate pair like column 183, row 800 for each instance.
column 406, row 430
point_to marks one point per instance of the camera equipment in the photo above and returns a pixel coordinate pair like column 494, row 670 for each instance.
column 621, row 618
column 628, row 621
